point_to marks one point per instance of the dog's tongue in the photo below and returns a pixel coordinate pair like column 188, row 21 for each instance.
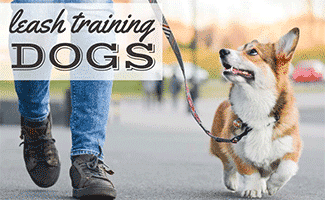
column 236, row 71
column 244, row 73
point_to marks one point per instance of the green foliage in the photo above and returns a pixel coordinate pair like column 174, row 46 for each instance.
column 127, row 87
column 315, row 53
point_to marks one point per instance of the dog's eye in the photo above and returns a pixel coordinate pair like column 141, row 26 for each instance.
column 252, row 52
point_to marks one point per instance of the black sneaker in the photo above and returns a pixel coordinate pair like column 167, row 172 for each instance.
column 40, row 155
column 89, row 178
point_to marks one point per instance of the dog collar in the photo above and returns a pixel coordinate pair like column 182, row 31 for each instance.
column 239, row 124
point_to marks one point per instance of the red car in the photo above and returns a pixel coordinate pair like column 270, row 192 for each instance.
column 309, row 71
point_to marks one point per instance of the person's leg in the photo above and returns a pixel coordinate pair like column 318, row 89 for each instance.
column 40, row 155
column 90, row 101
column 33, row 91
column 90, row 106
column 33, row 99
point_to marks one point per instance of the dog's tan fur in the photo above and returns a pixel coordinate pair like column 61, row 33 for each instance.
column 272, row 58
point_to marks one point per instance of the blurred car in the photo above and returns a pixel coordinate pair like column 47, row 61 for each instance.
column 192, row 71
column 309, row 71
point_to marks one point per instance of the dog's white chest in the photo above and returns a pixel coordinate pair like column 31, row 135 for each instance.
column 257, row 147
column 253, row 106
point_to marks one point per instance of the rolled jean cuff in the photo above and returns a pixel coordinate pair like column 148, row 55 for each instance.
column 39, row 119
column 86, row 151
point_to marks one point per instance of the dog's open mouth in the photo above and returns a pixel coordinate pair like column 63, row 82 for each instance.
column 230, row 70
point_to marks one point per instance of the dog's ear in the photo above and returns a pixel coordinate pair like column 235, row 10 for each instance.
column 285, row 47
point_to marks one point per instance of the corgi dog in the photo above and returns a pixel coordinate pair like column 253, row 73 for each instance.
column 262, row 99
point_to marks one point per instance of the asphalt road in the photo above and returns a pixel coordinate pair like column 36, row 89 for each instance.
column 158, row 152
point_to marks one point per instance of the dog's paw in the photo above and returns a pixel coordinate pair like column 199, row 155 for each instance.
column 272, row 189
column 255, row 193
column 231, row 180
column 252, row 193
column 285, row 171
column 255, row 186
column 231, row 185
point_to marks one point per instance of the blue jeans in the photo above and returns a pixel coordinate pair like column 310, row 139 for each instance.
column 90, row 103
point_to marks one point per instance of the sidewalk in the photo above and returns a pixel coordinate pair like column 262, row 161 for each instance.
column 159, row 152
column 311, row 107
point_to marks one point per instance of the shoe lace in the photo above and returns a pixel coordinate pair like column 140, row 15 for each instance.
column 95, row 165
column 39, row 145
column 99, row 169
column 38, row 142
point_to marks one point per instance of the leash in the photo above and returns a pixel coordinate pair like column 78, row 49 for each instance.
column 171, row 39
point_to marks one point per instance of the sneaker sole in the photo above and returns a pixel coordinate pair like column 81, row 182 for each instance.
column 109, row 193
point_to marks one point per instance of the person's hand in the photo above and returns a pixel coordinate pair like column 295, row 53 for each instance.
column 6, row 1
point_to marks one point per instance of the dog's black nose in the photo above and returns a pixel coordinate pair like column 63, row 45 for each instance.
column 223, row 53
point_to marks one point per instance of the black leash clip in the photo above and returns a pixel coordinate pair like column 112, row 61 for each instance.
column 239, row 137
